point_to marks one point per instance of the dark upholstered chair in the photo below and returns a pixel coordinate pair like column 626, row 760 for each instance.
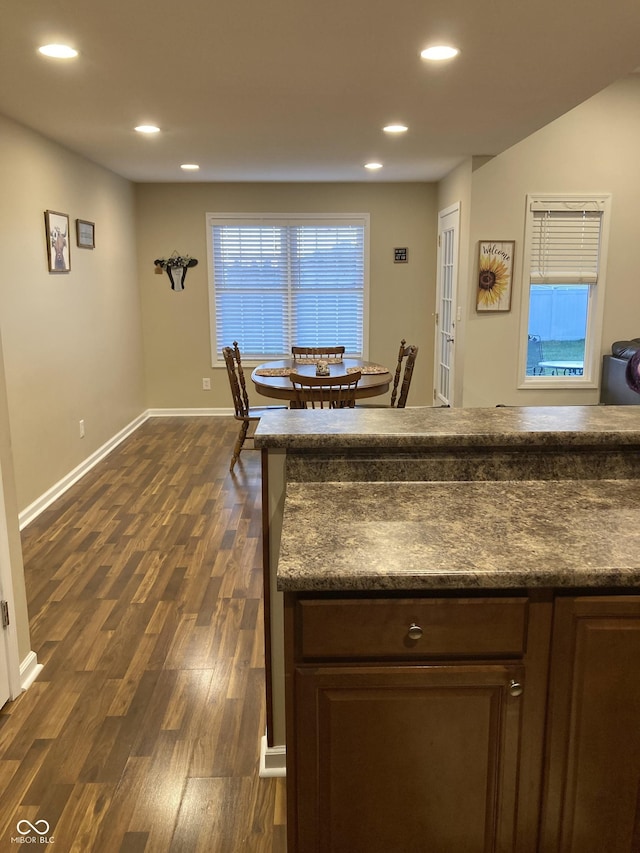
column 614, row 390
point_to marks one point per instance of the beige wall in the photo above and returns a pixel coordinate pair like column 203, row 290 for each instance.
column 72, row 342
column 176, row 324
column 594, row 148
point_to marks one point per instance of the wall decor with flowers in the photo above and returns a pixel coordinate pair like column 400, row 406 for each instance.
column 495, row 275
column 176, row 267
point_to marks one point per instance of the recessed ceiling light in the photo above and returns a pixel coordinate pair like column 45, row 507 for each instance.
column 58, row 51
column 190, row 167
column 373, row 166
column 439, row 52
column 147, row 128
column 395, row 128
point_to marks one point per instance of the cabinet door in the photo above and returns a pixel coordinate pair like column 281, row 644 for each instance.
column 420, row 758
column 592, row 784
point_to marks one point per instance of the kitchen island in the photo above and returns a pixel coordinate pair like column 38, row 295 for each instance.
column 462, row 627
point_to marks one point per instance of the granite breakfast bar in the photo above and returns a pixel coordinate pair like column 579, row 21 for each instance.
column 456, row 565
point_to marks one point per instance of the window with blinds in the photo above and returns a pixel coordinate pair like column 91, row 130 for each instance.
column 278, row 282
column 565, row 262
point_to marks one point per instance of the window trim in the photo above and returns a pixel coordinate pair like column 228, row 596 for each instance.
column 319, row 219
column 590, row 378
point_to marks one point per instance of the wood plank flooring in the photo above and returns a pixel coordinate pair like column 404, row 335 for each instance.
column 144, row 584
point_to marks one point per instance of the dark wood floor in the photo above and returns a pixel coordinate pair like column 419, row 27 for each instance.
column 145, row 584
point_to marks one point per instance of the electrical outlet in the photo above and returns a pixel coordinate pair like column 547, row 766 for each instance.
column 81, row 424
column 206, row 384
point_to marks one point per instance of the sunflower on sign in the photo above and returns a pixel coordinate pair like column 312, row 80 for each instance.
column 494, row 278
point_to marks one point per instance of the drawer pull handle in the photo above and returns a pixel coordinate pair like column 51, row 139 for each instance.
column 415, row 631
column 515, row 688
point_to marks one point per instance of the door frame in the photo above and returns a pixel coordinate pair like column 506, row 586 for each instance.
column 8, row 635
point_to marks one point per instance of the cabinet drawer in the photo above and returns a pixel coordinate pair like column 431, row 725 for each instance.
column 375, row 628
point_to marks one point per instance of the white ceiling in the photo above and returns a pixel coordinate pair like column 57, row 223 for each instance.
column 295, row 90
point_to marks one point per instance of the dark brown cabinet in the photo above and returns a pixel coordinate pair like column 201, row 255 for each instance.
column 406, row 721
column 508, row 724
column 592, row 786
column 407, row 754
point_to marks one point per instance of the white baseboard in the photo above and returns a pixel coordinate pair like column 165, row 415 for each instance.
column 30, row 669
column 40, row 504
column 273, row 760
column 190, row 413
column 33, row 510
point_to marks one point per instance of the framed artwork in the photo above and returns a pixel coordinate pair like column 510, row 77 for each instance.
column 85, row 234
column 495, row 275
column 57, row 233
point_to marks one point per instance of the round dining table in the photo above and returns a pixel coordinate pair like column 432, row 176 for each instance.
column 271, row 379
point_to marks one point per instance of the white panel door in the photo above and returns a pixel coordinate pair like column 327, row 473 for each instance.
column 448, row 236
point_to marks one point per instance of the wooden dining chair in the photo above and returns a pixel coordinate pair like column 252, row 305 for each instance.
column 407, row 357
column 249, row 416
column 314, row 353
column 325, row 392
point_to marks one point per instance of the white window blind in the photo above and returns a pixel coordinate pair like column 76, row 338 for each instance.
column 565, row 242
column 280, row 283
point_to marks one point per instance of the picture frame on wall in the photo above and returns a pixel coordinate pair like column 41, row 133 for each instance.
column 57, row 234
column 85, row 234
column 495, row 275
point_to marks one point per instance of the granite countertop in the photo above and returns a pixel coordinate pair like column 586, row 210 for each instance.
column 437, row 427
column 445, row 535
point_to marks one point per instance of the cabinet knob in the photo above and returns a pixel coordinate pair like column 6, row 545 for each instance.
column 515, row 688
column 415, row 631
